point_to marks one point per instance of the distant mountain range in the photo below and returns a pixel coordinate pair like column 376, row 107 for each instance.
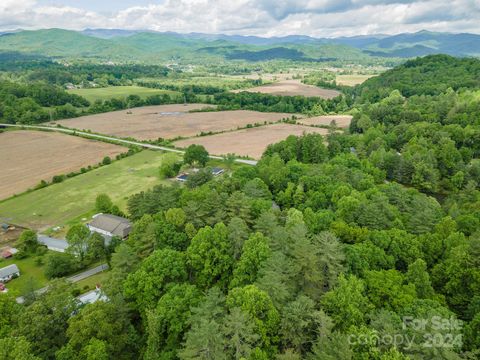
column 402, row 45
column 122, row 45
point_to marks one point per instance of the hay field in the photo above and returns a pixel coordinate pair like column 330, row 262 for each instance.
column 27, row 157
column 74, row 198
column 352, row 80
column 343, row 121
column 293, row 88
column 168, row 121
column 119, row 92
column 249, row 142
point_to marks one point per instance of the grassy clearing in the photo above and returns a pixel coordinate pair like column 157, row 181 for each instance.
column 91, row 282
column 74, row 198
column 352, row 80
column 119, row 92
column 31, row 274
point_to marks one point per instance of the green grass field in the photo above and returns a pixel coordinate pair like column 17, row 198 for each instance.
column 90, row 283
column 352, row 80
column 119, row 92
column 74, row 198
column 31, row 275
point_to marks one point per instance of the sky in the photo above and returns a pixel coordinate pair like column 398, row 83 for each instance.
column 319, row 18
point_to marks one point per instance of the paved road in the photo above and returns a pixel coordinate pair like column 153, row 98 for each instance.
column 103, row 137
column 87, row 273
column 75, row 278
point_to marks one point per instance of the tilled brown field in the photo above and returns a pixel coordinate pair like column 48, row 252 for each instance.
column 249, row 142
column 168, row 121
column 343, row 121
column 27, row 157
column 293, row 88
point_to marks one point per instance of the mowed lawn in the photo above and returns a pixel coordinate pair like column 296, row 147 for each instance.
column 31, row 275
column 119, row 92
column 57, row 204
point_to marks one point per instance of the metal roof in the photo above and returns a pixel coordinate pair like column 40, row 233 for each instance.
column 113, row 224
column 9, row 270
column 53, row 243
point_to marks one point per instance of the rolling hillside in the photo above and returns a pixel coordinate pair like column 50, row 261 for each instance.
column 150, row 46
column 122, row 45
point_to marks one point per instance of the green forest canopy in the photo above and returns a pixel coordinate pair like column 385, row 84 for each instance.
column 319, row 252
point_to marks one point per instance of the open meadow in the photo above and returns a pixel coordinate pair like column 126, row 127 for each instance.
column 250, row 142
column 28, row 157
column 119, row 92
column 342, row 121
column 352, row 80
column 293, row 88
column 168, row 121
column 75, row 197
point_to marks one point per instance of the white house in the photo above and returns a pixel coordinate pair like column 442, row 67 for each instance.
column 92, row 296
column 9, row 272
column 110, row 225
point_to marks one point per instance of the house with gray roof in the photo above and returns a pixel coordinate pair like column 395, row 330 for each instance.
column 110, row 225
column 59, row 245
column 9, row 272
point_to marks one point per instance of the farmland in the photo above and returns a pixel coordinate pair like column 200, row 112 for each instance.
column 168, row 121
column 293, row 88
column 31, row 156
column 249, row 142
column 118, row 92
column 342, row 121
column 352, row 80
column 75, row 197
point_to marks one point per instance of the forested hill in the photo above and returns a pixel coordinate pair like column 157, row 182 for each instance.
column 150, row 47
column 363, row 245
column 430, row 75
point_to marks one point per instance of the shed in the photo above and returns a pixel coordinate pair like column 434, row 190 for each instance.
column 217, row 171
column 92, row 297
column 110, row 225
column 58, row 245
column 8, row 253
column 182, row 177
column 9, row 272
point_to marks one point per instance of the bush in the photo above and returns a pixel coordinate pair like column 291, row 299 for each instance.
column 41, row 185
column 103, row 204
column 170, row 166
column 39, row 260
column 28, row 242
column 20, row 255
column 58, row 179
column 106, row 160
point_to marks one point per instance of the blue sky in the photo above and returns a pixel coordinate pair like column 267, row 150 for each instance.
column 318, row 18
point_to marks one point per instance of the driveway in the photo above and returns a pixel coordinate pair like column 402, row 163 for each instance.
column 75, row 278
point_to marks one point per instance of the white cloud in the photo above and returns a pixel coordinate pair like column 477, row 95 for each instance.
column 256, row 17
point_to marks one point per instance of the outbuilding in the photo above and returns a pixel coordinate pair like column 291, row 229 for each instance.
column 217, row 171
column 110, row 225
column 182, row 177
column 9, row 272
